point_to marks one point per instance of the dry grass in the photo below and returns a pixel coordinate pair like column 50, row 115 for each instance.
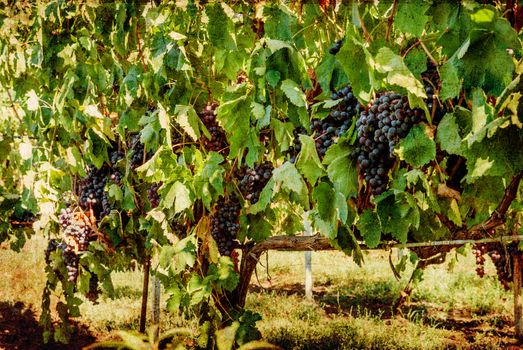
column 450, row 308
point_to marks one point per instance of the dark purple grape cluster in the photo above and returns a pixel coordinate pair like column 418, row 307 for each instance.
column 253, row 180
column 138, row 156
column 114, row 157
column 295, row 148
column 152, row 194
column 218, row 141
column 92, row 193
column 380, row 128
column 431, row 82
column 69, row 256
column 106, row 206
column 335, row 48
column 327, row 131
column 225, row 225
column 71, row 260
column 52, row 246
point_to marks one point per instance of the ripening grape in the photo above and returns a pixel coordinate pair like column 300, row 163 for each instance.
column 431, row 82
column 218, row 141
column 335, row 48
column 225, row 225
column 379, row 129
column 92, row 187
column 502, row 258
column 152, row 194
column 295, row 148
column 327, row 131
column 252, row 181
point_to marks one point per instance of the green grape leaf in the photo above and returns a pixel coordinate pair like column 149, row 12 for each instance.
column 227, row 278
column 341, row 169
column 219, row 27
column 354, row 57
column 280, row 23
column 370, row 228
column 418, row 148
column 397, row 215
column 294, row 93
column 323, row 196
column 482, row 114
column 347, row 242
column 287, row 178
column 450, row 81
column 308, row 162
column 416, row 61
column 234, row 117
column 178, row 197
column 411, row 18
column 397, row 72
column 342, row 207
column 189, row 121
column 448, row 135
column 260, row 228
column 199, row 289
column 273, row 77
column 454, row 214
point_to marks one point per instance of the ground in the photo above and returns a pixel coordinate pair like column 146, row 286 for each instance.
column 451, row 308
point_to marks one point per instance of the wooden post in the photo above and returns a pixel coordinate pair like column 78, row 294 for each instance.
column 308, row 259
column 145, row 293
column 518, row 310
column 518, row 319
column 155, row 319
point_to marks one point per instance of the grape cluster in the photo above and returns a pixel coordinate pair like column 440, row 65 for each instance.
column 431, row 83
column 379, row 130
column 152, row 194
column 502, row 258
column 92, row 190
column 75, row 229
column 327, row 131
column 499, row 259
column 335, row 48
column 138, row 151
column 479, row 250
column 295, row 148
column 115, row 156
column 225, row 225
column 218, row 141
column 252, row 181
column 70, row 258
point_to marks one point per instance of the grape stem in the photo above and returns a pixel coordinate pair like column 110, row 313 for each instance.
column 391, row 20
column 428, row 53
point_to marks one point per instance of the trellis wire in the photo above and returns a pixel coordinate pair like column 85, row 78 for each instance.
column 456, row 242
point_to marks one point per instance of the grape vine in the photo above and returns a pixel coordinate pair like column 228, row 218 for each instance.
column 173, row 123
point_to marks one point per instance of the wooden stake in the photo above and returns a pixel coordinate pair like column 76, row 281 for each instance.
column 145, row 293
column 308, row 259
column 155, row 319
column 518, row 309
column 518, row 319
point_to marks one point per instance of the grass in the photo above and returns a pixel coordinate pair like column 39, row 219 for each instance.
column 451, row 308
